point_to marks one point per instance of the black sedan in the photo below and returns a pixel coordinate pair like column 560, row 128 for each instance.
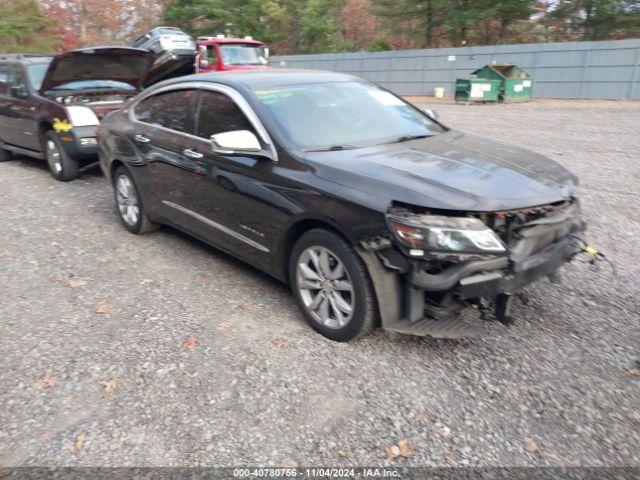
column 375, row 213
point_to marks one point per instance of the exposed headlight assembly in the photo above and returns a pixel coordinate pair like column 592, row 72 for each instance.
column 444, row 234
column 82, row 116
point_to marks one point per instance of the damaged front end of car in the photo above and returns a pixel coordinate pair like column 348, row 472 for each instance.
column 440, row 262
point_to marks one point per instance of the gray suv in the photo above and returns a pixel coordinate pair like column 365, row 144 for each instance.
column 166, row 40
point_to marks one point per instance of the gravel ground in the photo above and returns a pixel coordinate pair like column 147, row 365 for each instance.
column 157, row 350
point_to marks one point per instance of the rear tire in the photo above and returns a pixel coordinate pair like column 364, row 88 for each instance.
column 129, row 204
column 332, row 287
column 5, row 155
column 62, row 166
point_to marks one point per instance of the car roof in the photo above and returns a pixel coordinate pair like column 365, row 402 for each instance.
column 231, row 40
column 174, row 30
column 268, row 78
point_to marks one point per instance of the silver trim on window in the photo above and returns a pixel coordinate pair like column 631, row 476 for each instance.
column 232, row 93
column 217, row 226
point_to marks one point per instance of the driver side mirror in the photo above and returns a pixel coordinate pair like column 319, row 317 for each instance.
column 431, row 113
column 237, row 141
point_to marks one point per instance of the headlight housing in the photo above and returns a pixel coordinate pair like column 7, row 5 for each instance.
column 82, row 116
column 444, row 234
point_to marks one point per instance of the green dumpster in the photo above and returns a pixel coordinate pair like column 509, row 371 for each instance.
column 477, row 90
column 515, row 82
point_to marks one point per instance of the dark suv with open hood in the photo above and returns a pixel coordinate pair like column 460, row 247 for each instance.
column 50, row 106
column 373, row 212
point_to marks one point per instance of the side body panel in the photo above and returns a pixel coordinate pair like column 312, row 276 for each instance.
column 261, row 200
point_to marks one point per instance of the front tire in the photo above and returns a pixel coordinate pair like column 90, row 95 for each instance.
column 63, row 167
column 129, row 204
column 332, row 287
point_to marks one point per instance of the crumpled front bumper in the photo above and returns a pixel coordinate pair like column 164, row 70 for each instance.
column 417, row 301
column 544, row 246
column 543, row 249
column 488, row 278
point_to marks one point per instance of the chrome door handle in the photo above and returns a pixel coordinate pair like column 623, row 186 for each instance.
column 141, row 139
column 192, row 153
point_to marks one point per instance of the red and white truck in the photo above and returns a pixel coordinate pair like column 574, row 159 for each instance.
column 177, row 54
column 222, row 53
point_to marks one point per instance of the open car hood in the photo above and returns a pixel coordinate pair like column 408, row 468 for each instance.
column 121, row 64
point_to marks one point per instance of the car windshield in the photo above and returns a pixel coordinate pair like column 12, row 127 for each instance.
column 339, row 115
column 94, row 85
column 243, row 55
column 36, row 75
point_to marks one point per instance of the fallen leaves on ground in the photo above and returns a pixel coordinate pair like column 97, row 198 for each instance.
column 280, row 342
column 305, row 387
column 109, row 385
column 47, row 383
column 405, row 448
column 79, row 442
column 530, row 446
column 342, row 453
column 245, row 306
column 191, row 342
column 633, row 373
column 402, row 449
column 72, row 282
column 102, row 307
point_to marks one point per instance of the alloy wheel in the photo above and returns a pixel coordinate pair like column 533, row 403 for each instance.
column 54, row 157
column 127, row 200
column 325, row 287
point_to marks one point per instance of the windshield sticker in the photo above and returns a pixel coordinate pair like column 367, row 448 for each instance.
column 385, row 98
column 269, row 97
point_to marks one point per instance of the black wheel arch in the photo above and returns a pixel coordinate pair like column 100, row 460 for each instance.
column 298, row 228
column 115, row 164
column 44, row 125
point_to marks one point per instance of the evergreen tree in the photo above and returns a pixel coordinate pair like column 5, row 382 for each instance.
column 24, row 28
column 599, row 19
column 302, row 26
column 419, row 20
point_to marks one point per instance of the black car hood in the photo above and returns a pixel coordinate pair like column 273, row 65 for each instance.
column 121, row 64
column 451, row 171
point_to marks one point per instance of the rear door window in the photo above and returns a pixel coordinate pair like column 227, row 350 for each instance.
column 174, row 110
column 219, row 113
